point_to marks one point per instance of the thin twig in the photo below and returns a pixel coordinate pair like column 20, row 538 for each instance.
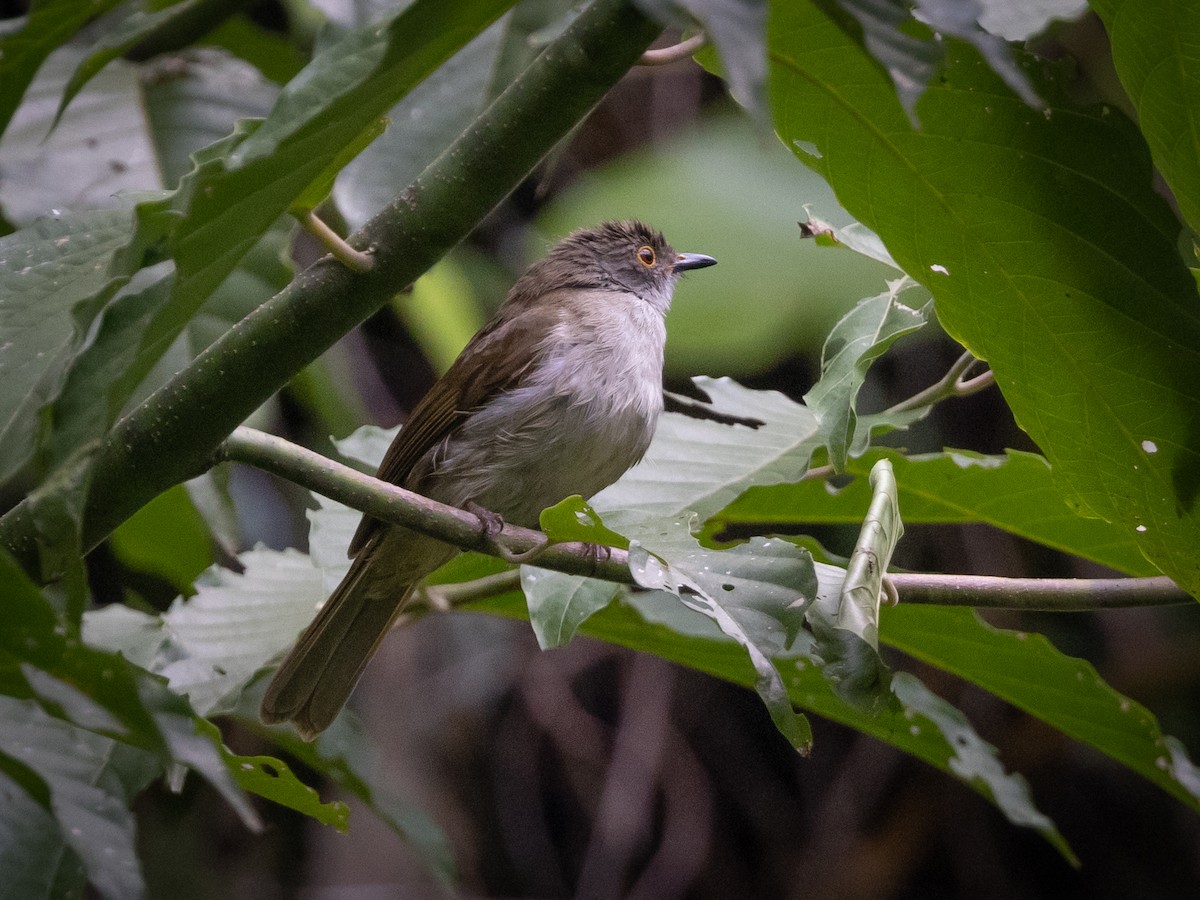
column 949, row 385
column 357, row 260
column 662, row 56
column 966, row 386
column 451, row 595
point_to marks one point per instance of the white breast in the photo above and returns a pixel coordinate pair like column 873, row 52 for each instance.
column 585, row 415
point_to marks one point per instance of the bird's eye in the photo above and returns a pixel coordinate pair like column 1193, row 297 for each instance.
column 646, row 256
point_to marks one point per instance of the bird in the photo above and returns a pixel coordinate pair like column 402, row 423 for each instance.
column 558, row 394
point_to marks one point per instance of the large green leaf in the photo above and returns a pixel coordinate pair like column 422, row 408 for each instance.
column 756, row 593
column 1016, row 492
column 911, row 55
column 233, row 197
column 60, row 268
column 192, row 100
column 100, row 149
column 699, row 465
column 53, row 281
column 49, row 24
column 918, row 724
column 165, row 25
column 1154, row 47
column 1027, row 671
column 101, row 691
column 421, row 126
column 1092, row 332
column 91, row 782
column 210, row 646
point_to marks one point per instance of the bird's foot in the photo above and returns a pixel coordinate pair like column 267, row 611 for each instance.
column 491, row 525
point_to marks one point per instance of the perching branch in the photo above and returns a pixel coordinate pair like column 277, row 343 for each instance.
column 463, row 529
column 397, row 506
column 1037, row 594
column 172, row 435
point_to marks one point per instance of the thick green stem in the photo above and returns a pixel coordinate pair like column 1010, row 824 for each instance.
column 172, row 435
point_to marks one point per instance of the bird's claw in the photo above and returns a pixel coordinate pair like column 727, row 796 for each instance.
column 491, row 525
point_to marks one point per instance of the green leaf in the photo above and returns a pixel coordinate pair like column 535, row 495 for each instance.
column 1028, row 672
column 167, row 537
column 33, row 855
column 846, row 625
column 422, row 125
column 648, row 623
column 573, row 519
column 62, row 271
column 911, row 53
column 103, row 690
column 317, row 192
column 123, row 36
column 344, row 755
column 270, row 778
column 1016, row 492
column 104, row 373
column 53, row 280
column 101, row 149
column 49, row 24
column 137, row 636
column 91, row 782
column 1091, row 331
column 193, row 99
column 699, row 466
column 860, row 338
column 56, row 508
column 977, row 763
column 1154, row 51
column 213, row 645
column 756, row 593
column 559, row 603
column 233, row 197
column 234, row 625
column 143, row 337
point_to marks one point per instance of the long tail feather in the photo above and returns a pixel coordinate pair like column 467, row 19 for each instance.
column 317, row 677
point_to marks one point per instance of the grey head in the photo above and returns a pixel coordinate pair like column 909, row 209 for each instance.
column 623, row 256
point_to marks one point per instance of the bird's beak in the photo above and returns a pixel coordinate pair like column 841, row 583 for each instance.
column 685, row 261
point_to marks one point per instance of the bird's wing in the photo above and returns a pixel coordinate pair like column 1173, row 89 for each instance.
column 495, row 360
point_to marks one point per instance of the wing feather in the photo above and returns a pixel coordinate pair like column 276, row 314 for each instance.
column 495, row 360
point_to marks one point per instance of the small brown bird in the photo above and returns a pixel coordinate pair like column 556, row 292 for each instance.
column 557, row 395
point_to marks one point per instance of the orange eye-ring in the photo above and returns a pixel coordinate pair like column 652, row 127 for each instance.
column 646, row 256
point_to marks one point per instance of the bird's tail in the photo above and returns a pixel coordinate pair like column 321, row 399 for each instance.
column 316, row 678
